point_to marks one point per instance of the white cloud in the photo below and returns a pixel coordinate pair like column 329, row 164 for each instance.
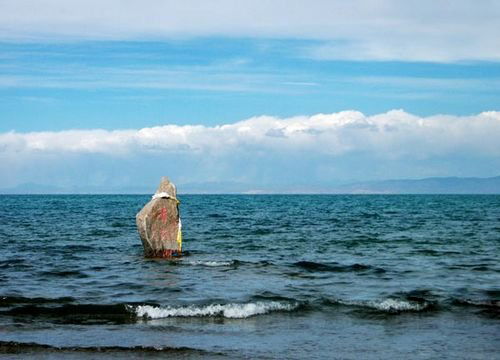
column 263, row 150
column 358, row 29
column 395, row 134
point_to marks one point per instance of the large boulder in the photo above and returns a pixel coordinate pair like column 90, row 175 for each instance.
column 159, row 223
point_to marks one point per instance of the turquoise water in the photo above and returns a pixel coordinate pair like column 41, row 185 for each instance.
column 264, row 276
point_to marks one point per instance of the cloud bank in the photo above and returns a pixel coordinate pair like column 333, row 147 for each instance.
column 264, row 150
column 354, row 30
column 389, row 135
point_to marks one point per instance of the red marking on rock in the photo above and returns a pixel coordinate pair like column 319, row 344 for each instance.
column 163, row 215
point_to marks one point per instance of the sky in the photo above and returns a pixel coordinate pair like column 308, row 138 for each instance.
column 269, row 94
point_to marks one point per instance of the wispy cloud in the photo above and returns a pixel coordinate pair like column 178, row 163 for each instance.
column 226, row 77
column 439, row 48
column 354, row 30
column 208, row 77
column 431, row 83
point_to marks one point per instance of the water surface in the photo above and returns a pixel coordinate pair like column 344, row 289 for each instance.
column 264, row 276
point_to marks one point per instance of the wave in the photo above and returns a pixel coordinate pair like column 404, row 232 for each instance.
column 13, row 347
column 387, row 306
column 478, row 303
column 335, row 267
column 495, row 293
column 217, row 263
column 15, row 264
column 62, row 309
column 232, row 311
column 395, row 305
column 65, row 310
column 215, row 215
column 210, row 263
column 76, row 313
column 487, row 308
column 63, row 273
column 69, row 309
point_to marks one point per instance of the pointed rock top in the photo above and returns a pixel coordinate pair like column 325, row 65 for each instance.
column 167, row 187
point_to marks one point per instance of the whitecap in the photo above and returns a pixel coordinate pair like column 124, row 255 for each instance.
column 393, row 305
column 209, row 263
column 235, row 311
column 389, row 305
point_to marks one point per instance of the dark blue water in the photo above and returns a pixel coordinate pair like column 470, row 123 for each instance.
column 348, row 277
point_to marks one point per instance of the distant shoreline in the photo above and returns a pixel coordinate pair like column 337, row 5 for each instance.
column 430, row 186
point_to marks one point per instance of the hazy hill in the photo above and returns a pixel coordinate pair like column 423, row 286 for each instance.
column 435, row 185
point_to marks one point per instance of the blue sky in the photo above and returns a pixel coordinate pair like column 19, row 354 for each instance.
column 123, row 84
column 200, row 74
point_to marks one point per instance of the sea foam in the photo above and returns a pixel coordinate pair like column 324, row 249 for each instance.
column 235, row 311
column 393, row 305
column 389, row 305
column 210, row 263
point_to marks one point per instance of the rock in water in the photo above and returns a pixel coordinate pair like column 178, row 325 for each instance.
column 159, row 223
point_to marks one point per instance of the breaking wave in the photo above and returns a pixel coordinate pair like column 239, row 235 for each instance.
column 210, row 263
column 233, row 311
column 389, row 306
column 70, row 313
column 394, row 305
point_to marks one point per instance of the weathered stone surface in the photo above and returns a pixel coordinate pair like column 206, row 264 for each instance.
column 158, row 222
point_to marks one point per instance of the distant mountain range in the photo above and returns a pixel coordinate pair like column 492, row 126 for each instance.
column 434, row 185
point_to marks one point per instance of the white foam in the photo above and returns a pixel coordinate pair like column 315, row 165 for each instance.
column 391, row 305
column 210, row 263
column 235, row 311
